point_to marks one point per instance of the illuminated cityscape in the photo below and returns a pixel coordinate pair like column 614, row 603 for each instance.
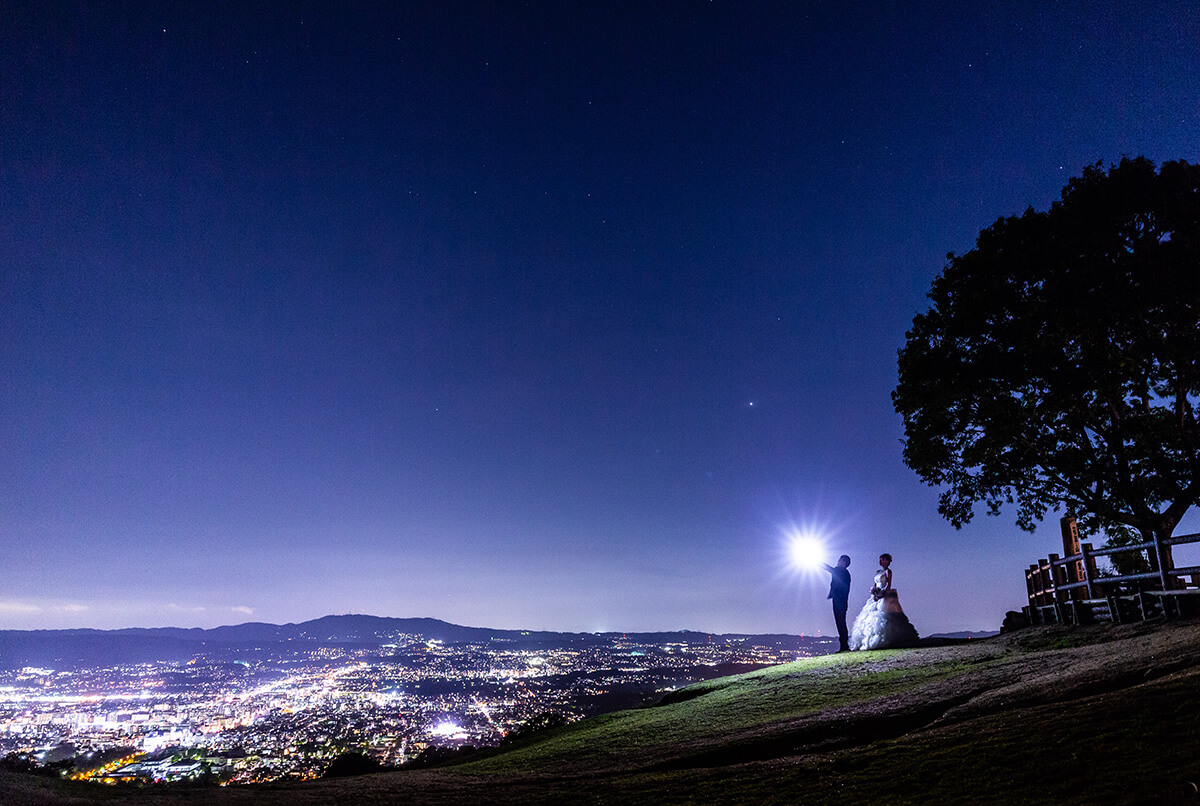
column 242, row 714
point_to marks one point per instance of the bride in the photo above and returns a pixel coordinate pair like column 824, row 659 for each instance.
column 882, row 624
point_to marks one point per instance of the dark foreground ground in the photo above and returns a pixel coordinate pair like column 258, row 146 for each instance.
column 1096, row 715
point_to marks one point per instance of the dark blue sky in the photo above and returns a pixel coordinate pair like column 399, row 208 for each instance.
column 535, row 315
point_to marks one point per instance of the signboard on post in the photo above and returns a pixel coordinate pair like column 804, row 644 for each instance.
column 1070, row 542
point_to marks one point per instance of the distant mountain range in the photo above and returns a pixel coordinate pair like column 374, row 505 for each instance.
column 66, row 649
column 966, row 635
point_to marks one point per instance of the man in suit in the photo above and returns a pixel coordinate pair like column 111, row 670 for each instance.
column 839, row 592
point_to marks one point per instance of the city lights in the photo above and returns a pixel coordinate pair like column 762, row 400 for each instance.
column 286, row 714
column 447, row 729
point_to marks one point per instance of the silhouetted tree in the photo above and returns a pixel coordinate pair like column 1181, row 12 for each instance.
column 546, row 720
column 1125, row 562
column 24, row 762
column 351, row 763
column 1059, row 365
column 433, row 755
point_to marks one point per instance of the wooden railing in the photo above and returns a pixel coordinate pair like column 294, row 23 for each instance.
column 1070, row 589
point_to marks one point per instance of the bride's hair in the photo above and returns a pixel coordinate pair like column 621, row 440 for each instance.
column 887, row 557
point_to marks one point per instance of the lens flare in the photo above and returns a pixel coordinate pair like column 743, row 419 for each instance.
column 806, row 551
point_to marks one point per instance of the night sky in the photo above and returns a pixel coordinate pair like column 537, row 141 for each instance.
column 524, row 315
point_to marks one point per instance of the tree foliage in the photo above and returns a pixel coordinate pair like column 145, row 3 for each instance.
column 1059, row 363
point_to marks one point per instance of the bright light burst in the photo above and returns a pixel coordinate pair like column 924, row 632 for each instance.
column 807, row 551
column 805, row 545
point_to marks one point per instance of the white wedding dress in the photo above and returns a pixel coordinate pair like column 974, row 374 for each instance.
column 881, row 624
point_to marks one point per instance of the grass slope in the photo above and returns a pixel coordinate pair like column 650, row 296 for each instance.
column 1104, row 714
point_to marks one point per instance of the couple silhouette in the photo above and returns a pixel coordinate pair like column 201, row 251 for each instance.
column 881, row 624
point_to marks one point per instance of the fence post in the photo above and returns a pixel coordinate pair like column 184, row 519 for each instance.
column 1045, row 581
column 1057, row 572
column 1089, row 569
column 1083, row 611
column 1145, row 605
column 1070, row 541
column 1164, row 561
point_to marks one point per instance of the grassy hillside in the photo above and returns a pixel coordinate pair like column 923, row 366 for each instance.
column 1105, row 714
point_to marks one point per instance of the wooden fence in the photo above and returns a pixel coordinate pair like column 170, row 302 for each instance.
column 1070, row 590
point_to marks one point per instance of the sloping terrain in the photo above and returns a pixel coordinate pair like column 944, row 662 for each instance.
column 1103, row 714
